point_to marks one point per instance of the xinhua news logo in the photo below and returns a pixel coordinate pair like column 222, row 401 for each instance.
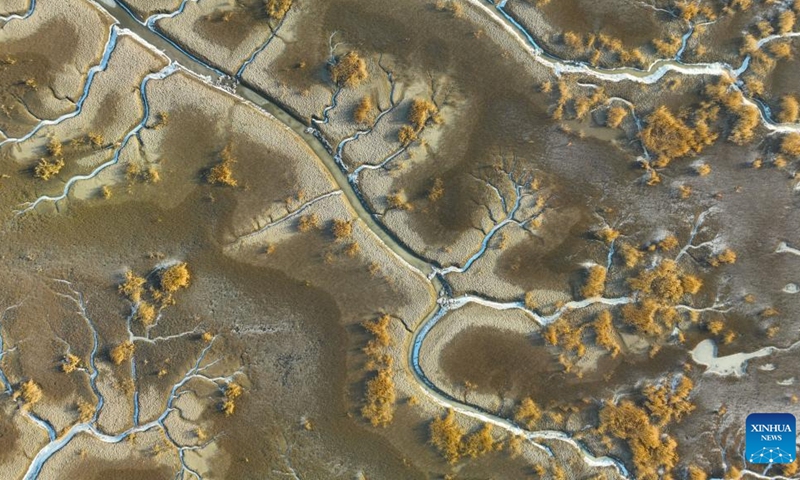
column 771, row 438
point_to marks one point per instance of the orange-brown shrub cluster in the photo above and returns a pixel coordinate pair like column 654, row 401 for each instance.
column 365, row 110
column 595, row 282
column 380, row 396
column 349, row 70
column 122, row 352
column 668, row 137
column 452, row 442
column 277, row 9
column 222, row 173
column 651, row 451
column 527, row 413
column 605, row 334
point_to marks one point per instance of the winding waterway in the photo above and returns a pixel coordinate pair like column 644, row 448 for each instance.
column 147, row 31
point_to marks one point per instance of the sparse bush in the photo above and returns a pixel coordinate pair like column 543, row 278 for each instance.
column 530, row 301
column 399, row 201
column 352, row 249
column 437, row 190
column 132, row 287
column 29, row 392
column 122, row 352
column 222, row 173
column 630, row 255
column 669, row 401
column 527, row 413
column 380, row 399
column 786, row 21
column 349, row 70
column 70, row 363
column 380, row 329
column 85, row 411
column 790, row 145
column 55, row 148
column 277, row 9
column 604, row 331
column 364, row 111
column 668, row 137
column 615, row 116
column 725, row 257
column 342, row 228
column 307, row 222
column 174, row 278
column 406, row 135
column 479, row 443
column 789, row 109
column 446, row 436
column 146, row 313
column 47, row 169
column 95, row 139
column 607, row 234
column 595, row 282
column 702, row 169
column 652, row 452
column 421, row 112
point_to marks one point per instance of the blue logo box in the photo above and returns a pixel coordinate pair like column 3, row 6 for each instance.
column 770, row 438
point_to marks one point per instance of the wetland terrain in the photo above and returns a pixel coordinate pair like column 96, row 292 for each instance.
column 348, row 239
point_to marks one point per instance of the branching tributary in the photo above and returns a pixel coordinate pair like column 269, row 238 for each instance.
column 181, row 59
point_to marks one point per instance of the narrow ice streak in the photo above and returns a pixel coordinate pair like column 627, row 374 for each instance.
column 655, row 72
column 16, row 16
column 783, row 247
column 109, row 48
column 160, row 75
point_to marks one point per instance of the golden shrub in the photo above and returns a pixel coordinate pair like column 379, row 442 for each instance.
column 70, row 363
column 349, row 70
column 725, row 257
column 615, row 116
column 604, row 331
column 175, row 277
column 790, row 145
column 277, row 9
column 421, row 112
column 146, row 313
column 667, row 136
column 380, row 399
column 379, row 329
column 365, row 110
column 479, row 443
column 342, row 228
column 407, row 135
column 446, row 435
column 630, row 255
column 595, row 282
column 85, row 411
column 47, row 169
column 222, row 173
column 307, row 222
column 122, row 352
column 30, row 393
column 789, row 109
column 641, row 316
column 132, row 287
column 668, row 404
column 527, row 413
column 437, row 190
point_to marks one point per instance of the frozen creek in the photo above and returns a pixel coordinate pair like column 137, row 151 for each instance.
column 180, row 60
